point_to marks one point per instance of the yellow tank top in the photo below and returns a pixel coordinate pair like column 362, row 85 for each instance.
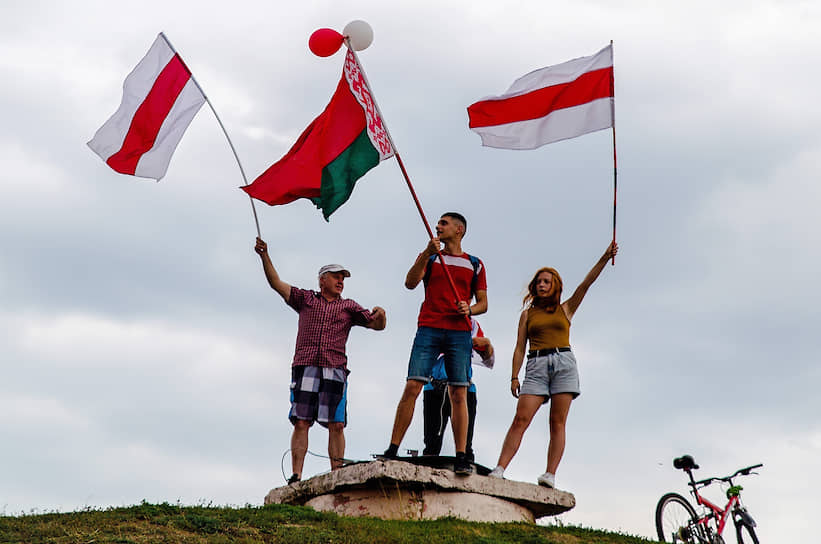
column 547, row 329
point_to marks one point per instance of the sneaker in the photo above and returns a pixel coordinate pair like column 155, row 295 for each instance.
column 461, row 465
column 294, row 479
column 547, row 479
column 497, row 472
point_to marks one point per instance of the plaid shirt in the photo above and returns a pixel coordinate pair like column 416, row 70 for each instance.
column 324, row 327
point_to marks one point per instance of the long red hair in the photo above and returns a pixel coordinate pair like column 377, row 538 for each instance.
column 549, row 302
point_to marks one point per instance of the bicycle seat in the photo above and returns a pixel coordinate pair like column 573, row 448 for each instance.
column 685, row 462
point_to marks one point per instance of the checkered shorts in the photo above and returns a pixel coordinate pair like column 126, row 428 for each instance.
column 319, row 394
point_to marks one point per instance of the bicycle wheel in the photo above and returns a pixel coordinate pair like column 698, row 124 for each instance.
column 676, row 520
column 742, row 529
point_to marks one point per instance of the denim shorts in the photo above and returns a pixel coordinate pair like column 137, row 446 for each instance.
column 551, row 374
column 429, row 343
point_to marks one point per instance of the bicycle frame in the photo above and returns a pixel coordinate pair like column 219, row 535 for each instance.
column 720, row 515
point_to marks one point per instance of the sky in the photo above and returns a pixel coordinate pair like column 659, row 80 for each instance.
column 144, row 356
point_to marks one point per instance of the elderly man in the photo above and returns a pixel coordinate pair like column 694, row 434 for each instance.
column 319, row 373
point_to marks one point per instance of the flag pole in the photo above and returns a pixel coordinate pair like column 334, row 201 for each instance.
column 230, row 143
column 405, row 174
column 613, row 125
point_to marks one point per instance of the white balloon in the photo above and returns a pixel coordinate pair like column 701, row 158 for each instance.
column 359, row 33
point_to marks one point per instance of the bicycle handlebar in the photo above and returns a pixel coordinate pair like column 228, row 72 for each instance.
column 746, row 471
column 741, row 471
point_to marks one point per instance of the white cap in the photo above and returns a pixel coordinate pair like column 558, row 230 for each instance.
column 334, row 268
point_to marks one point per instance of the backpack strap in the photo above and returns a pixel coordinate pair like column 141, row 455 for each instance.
column 428, row 267
column 474, row 261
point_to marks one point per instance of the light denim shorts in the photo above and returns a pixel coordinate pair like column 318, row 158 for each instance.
column 551, row 374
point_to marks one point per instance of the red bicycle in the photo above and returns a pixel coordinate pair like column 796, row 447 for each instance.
column 677, row 521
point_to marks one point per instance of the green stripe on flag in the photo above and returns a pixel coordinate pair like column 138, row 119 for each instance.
column 340, row 175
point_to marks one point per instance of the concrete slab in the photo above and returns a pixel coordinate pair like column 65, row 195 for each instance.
column 402, row 490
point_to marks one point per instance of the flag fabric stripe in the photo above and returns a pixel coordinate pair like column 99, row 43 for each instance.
column 540, row 102
column 159, row 101
column 150, row 115
column 109, row 138
column 340, row 176
column 343, row 124
column 155, row 161
column 550, row 104
column 345, row 141
column 560, row 73
column 559, row 125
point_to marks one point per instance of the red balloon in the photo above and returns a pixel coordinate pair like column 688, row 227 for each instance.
column 325, row 42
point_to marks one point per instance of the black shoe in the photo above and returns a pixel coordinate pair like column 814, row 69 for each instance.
column 293, row 479
column 461, row 465
column 390, row 453
column 470, row 457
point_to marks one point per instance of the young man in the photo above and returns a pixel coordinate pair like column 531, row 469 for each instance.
column 319, row 373
column 436, row 401
column 443, row 327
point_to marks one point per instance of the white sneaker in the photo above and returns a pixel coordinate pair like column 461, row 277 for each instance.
column 497, row 472
column 547, row 479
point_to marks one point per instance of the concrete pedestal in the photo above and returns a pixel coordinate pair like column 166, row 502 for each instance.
column 402, row 490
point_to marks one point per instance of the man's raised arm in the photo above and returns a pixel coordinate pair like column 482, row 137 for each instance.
column 417, row 270
column 271, row 274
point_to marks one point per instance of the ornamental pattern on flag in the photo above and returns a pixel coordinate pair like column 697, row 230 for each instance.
column 160, row 98
column 376, row 130
column 550, row 104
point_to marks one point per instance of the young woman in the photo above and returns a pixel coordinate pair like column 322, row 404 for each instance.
column 551, row 373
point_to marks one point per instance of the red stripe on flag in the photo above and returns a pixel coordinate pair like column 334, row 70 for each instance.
column 150, row 115
column 541, row 102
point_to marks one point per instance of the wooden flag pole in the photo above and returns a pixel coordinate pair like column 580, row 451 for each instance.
column 241, row 169
column 405, row 175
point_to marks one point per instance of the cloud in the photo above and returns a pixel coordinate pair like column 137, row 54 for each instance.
column 144, row 355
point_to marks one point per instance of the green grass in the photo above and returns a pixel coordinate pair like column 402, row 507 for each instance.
column 276, row 523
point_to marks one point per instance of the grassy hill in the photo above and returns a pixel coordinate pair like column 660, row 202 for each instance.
column 274, row 524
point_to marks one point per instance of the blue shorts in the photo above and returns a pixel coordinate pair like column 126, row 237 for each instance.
column 551, row 374
column 429, row 343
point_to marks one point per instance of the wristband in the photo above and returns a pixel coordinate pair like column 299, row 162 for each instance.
column 514, row 378
column 470, row 311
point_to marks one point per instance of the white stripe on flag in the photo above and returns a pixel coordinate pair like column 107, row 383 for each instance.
column 109, row 138
column 559, row 125
column 558, row 73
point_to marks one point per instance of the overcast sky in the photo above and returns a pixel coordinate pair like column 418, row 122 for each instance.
column 144, row 356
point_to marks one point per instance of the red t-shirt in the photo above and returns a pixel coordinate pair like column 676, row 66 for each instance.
column 439, row 307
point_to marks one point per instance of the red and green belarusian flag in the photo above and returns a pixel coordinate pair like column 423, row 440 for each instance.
column 337, row 148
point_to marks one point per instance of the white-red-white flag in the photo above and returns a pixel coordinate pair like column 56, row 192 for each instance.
column 160, row 98
column 482, row 358
column 547, row 105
